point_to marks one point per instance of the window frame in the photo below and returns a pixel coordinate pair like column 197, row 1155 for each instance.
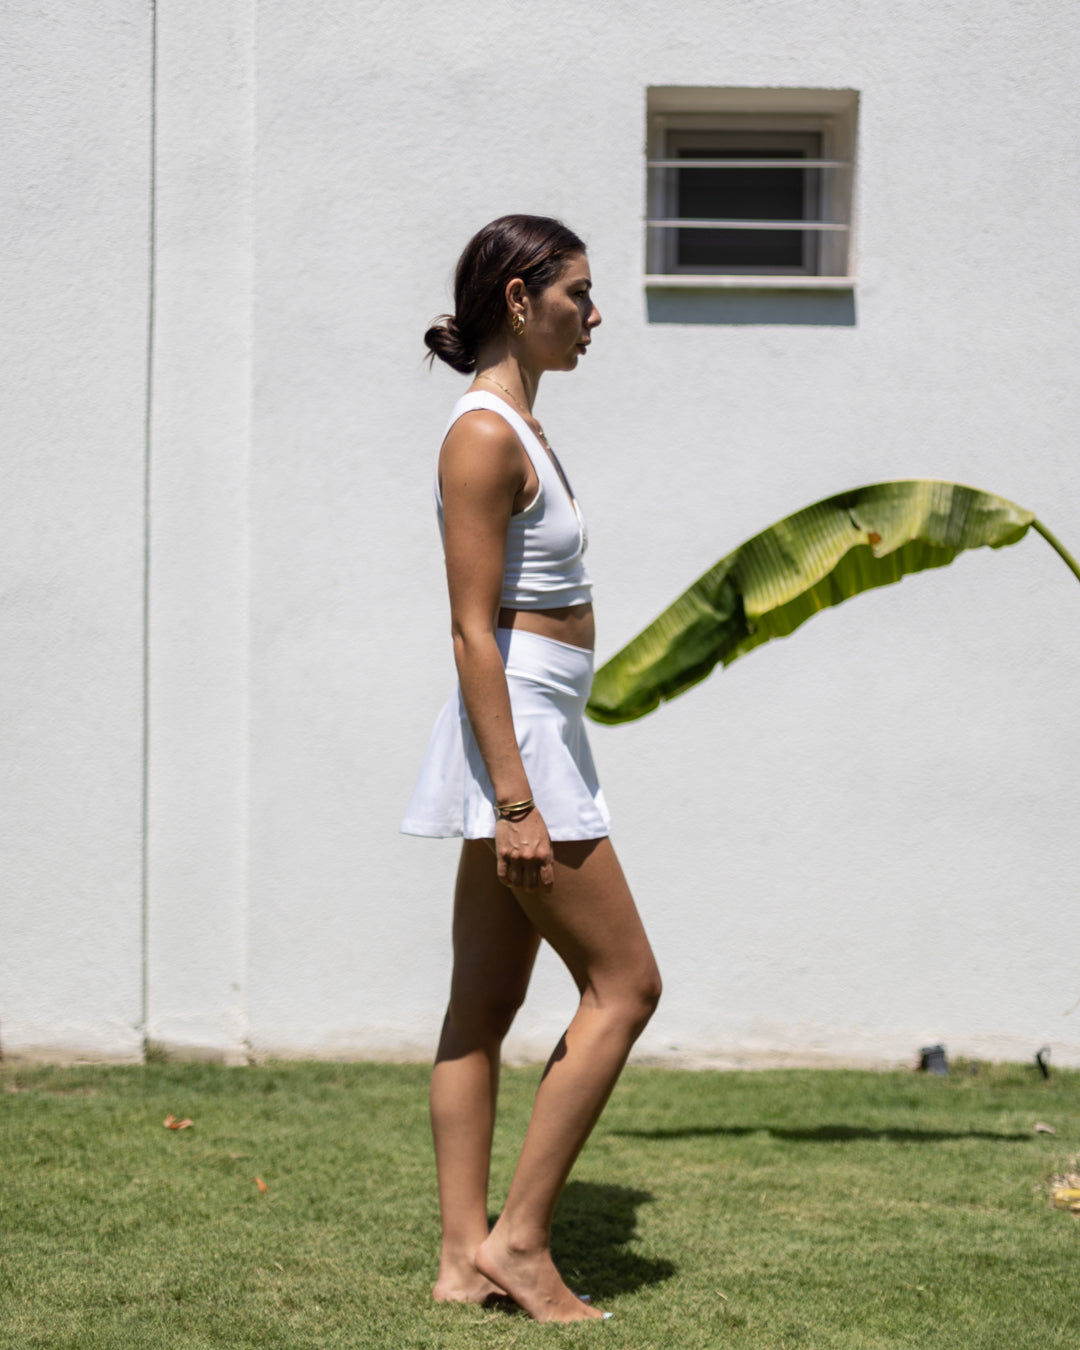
column 678, row 115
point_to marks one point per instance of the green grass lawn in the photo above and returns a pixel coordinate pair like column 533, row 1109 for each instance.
column 761, row 1210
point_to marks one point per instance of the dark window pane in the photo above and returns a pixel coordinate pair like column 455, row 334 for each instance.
column 742, row 194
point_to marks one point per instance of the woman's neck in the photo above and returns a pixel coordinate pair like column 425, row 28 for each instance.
column 510, row 375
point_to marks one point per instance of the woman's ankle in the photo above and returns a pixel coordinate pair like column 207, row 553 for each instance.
column 518, row 1238
column 460, row 1252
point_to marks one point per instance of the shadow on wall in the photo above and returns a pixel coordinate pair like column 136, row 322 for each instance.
column 821, row 308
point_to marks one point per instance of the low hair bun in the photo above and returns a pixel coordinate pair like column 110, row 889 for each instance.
column 444, row 339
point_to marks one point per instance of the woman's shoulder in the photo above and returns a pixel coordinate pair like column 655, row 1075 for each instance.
column 481, row 428
column 481, row 443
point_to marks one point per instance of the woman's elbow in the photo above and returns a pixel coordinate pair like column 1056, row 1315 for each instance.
column 470, row 637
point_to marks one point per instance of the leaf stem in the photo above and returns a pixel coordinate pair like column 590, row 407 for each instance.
column 1059, row 548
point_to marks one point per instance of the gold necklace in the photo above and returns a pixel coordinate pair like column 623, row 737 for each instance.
column 539, row 429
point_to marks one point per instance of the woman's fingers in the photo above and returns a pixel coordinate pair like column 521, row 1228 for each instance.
column 524, row 853
column 531, row 876
column 528, row 875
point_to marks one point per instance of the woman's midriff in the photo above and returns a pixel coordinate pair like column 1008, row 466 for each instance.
column 572, row 624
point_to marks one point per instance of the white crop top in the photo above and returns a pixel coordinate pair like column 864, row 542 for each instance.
column 545, row 542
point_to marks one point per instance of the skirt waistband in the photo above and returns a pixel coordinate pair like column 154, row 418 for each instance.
column 545, row 661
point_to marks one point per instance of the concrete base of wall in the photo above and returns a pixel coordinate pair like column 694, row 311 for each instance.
column 521, row 1054
column 64, row 1056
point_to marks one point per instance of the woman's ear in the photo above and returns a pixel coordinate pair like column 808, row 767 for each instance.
column 517, row 296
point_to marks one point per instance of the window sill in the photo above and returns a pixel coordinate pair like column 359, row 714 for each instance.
column 745, row 282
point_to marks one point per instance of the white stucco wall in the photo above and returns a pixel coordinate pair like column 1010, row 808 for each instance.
column 201, row 402
column 852, row 842
column 75, row 205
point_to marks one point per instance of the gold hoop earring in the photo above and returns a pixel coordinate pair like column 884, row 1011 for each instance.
column 517, row 324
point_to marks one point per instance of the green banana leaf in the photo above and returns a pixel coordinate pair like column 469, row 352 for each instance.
column 826, row 553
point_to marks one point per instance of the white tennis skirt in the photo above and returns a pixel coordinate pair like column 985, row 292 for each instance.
column 549, row 684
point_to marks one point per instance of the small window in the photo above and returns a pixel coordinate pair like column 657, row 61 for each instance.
column 750, row 187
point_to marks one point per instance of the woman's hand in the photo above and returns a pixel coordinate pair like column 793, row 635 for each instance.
column 524, row 854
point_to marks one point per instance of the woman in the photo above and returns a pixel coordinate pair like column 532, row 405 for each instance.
column 509, row 768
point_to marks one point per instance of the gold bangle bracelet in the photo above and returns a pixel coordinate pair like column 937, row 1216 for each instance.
column 512, row 808
column 515, row 817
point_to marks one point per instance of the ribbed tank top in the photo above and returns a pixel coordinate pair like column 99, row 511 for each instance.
column 546, row 541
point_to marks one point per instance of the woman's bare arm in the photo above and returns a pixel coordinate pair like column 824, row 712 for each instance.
column 483, row 472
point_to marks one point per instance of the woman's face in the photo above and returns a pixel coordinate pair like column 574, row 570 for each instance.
column 559, row 319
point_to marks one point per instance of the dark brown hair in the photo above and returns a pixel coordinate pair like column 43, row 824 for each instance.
column 534, row 248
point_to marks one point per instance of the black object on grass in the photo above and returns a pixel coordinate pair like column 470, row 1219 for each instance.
column 932, row 1060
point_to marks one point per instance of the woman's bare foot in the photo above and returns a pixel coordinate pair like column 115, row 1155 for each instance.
column 477, row 1291
column 463, row 1283
column 530, row 1278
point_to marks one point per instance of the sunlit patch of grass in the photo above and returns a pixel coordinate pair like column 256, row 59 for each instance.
column 828, row 1209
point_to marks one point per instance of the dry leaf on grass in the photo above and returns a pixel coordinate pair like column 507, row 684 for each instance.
column 263, row 1187
column 1066, row 1197
column 171, row 1123
column 1065, row 1189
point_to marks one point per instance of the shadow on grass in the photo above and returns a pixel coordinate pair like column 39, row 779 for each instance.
column 593, row 1224
column 824, row 1134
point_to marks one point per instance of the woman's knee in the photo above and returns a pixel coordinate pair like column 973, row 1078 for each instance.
column 648, row 991
column 488, row 1014
column 634, row 997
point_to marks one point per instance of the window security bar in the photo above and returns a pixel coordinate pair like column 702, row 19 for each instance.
column 748, row 163
column 748, row 224
column 769, row 281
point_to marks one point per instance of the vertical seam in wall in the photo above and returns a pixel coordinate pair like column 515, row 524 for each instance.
column 249, row 515
column 245, row 864
column 144, row 922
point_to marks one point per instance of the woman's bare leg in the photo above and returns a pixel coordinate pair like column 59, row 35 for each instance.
column 590, row 919
column 495, row 947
